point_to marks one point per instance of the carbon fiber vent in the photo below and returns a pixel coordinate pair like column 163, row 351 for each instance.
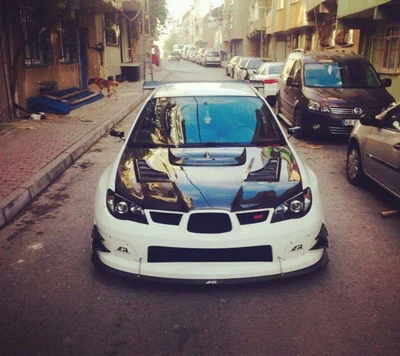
column 269, row 173
column 147, row 174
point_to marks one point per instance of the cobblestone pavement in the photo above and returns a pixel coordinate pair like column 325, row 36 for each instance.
column 36, row 152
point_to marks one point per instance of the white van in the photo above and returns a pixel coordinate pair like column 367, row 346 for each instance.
column 212, row 57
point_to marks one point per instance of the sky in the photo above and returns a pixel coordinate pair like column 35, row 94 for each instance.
column 178, row 7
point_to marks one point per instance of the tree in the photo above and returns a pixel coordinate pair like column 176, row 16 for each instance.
column 159, row 17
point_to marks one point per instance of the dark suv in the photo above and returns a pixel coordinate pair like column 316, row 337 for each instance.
column 327, row 92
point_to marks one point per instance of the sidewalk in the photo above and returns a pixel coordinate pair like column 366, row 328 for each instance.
column 34, row 153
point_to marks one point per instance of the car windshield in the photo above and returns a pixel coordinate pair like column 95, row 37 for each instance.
column 349, row 74
column 205, row 121
column 212, row 53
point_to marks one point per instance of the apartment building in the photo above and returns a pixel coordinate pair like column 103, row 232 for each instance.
column 378, row 22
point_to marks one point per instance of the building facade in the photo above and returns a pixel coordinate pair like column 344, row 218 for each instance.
column 50, row 45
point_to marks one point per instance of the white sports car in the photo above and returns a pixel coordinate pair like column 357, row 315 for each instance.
column 207, row 189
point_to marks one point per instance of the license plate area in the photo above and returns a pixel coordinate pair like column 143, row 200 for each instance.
column 349, row 122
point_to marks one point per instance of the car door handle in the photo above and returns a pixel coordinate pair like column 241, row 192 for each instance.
column 397, row 146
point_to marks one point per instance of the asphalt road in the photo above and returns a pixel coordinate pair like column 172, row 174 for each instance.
column 54, row 302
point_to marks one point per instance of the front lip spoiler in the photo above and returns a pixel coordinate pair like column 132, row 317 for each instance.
column 320, row 264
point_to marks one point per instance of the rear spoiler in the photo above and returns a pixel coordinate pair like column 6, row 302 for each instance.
column 151, row 85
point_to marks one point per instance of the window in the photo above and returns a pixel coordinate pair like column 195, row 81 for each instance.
column 279, row 4
column 199, row 121
column 112, row 29
column 38, row 50
column 349, row 74
column 68, row 45
column 391, row 50
column 296, row 72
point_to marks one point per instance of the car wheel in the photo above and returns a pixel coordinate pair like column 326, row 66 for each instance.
column 355, row 174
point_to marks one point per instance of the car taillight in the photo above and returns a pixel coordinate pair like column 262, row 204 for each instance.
column 270, row 81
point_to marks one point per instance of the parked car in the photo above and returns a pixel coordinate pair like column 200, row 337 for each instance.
column 374, row 151
column 174, row 56
column 327, row 92
column 207, row 188
column 201, row 58
column 212, row 57
column 242, row 61
column 248, row 67
column 192, row 55
column 269, row 74
column 198, row 56
column 230, row 67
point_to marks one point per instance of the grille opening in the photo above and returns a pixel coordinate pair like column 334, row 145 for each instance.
column 166, row 218
column 240, row 254
column 209, row 223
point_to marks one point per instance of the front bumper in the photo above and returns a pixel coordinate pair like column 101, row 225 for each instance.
column 328, row 123
column 318, row 265
column 122, row 247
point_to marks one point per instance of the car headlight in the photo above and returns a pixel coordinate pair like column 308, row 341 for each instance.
column 316, row 106
column 293, row 208
column 124, row 209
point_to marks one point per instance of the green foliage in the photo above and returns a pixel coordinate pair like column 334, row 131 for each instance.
column 159, row 17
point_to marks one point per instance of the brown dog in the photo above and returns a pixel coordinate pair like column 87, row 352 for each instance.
column 112, row 87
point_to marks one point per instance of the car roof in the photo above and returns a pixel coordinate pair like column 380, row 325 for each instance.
column 204, row 89
column 315, row 57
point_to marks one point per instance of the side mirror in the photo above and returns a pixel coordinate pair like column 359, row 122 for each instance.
column 386, row 82
column 115, row 133
column 370, row 121
column 291, row 82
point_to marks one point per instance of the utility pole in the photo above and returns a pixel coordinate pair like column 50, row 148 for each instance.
column 144, row 41
column 147, row 15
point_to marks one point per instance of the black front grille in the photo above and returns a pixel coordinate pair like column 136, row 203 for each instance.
column 147, row 174
column 166, row 218
column 209, row 223
column 239, row 254
column 252, row 218
column 269, row 173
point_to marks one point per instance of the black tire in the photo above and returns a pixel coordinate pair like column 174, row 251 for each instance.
column 354, row 170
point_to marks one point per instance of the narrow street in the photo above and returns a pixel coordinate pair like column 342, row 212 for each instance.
column 55, row 302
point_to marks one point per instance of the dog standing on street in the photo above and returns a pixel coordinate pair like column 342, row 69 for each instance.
column 111, row 86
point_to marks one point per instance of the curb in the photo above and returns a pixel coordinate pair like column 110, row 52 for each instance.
column 13, row 204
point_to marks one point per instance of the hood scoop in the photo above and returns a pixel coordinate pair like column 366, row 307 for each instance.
column 207, row 157
column 269, row 173
column 147, row 174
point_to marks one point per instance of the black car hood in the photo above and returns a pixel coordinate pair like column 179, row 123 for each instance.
column 235, row 179
column 364, row 98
